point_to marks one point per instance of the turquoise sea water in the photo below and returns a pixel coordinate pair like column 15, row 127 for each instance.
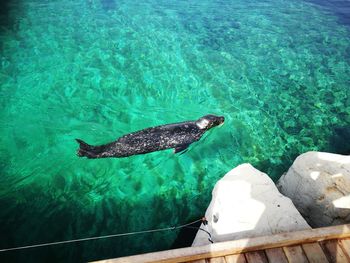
column 278, row 70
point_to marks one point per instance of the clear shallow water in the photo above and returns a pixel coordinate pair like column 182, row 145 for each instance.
column 277, row 70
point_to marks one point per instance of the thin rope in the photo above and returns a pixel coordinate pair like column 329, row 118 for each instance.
column 101, row 237
column 199, row 228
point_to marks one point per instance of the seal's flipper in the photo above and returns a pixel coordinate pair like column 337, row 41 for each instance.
column 86, row 150
column 181, row 148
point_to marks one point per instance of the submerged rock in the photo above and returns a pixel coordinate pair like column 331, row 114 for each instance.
column 319, row 185
column 246, row 203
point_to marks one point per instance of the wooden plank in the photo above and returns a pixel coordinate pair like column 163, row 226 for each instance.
column 345, row 244
column 198, row 261
column 238, row 258
column 333, row 251
column 256, row 257
column 238, row 246
column 314, row 253
column 276, row 255
column 216, row 260
column 295, row 254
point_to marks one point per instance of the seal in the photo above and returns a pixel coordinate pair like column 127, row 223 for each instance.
column 177, row 135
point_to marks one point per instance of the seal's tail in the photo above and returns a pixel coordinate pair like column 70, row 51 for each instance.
column 87, row 150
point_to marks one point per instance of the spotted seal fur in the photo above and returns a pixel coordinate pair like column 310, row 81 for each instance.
column 177, row 135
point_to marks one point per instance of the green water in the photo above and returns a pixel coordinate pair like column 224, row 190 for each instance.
column 278, row 70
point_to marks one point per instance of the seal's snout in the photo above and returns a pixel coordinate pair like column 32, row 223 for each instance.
column 210, row 121
column 220, row 121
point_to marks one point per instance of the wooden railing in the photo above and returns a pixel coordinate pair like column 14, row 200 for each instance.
column 240, row 246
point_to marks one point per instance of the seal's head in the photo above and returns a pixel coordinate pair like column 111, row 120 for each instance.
column 209, row 121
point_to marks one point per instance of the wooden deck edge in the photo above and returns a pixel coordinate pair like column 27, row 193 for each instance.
column 238, row 246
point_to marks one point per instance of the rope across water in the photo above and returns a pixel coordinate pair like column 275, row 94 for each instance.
column 204, row 221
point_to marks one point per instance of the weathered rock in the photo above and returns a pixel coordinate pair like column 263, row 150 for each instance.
column 319, row 186
column 246, row 203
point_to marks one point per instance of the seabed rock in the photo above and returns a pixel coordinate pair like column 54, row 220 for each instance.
column 319, row 185
column 246, row 203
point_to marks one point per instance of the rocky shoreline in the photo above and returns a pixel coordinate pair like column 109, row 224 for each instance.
column 245, row 203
